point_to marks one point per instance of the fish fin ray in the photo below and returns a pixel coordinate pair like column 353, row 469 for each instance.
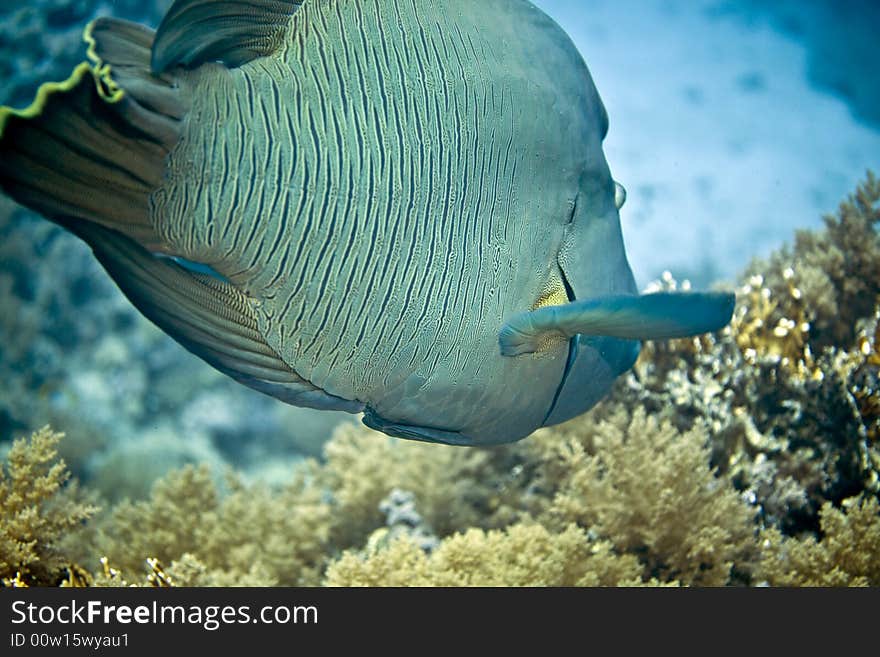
column 93, row 148
column 209, row 317
column 659, row 316
column 195, row 32
column 411, row 432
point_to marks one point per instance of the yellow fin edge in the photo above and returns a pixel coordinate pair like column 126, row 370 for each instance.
column 106, row 87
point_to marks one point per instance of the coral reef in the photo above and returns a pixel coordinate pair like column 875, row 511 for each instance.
column 789, row 391
column 453, row 488
column 678, row 526
column 39, row 516
column 649, row 490
column 244, row 536
column 847, row 555
column 521, row 555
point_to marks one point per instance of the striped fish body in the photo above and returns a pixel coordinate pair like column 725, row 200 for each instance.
column 399, row 207
column 389, row 187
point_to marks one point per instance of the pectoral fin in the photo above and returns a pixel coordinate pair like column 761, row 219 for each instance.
column 234, row 32
column 660, row 316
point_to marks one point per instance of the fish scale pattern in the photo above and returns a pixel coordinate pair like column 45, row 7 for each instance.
column 353, row 191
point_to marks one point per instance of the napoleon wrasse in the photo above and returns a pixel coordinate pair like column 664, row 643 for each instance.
column 399, row 207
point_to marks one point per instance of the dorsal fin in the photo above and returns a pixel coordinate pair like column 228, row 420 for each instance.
column 195, row 32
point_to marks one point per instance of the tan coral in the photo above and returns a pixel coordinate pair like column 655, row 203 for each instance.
column 453, row 488
column 522, row 555
column 837, row 270
column 278, row 536
column 774, row 323
column 847, row 555
column 650, row 491
column 37, row 511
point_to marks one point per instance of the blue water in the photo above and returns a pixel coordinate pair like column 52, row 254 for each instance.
column 732, row 123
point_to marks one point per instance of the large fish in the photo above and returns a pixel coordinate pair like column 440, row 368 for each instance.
column 399, row 207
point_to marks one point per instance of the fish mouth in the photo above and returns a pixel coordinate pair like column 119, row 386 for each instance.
column 572, row 350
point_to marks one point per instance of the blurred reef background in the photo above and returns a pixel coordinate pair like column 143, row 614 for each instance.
column 745, row 458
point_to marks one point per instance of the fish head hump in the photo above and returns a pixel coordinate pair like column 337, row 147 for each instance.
column 593, row 262
column 559, row 239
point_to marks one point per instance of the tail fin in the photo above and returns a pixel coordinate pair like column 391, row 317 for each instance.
column 93, row 148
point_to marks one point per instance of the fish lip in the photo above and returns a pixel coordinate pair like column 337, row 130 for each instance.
column 573, row 345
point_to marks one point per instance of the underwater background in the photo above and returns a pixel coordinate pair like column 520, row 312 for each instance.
column 747, row 457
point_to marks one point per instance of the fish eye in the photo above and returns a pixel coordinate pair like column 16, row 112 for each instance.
column 619, row 195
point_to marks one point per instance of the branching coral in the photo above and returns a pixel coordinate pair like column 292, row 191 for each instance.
column 246, row 534
column 790, row 440
column 847, row 555
column 642, row 488
column 522, row 555
column 628, row 501
column 39, row 512
column 837, row 271
column 789, row 392
column 650, row 491
column 188, row 570
column 163, row 527
column 453, row 488
column 761, row 334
